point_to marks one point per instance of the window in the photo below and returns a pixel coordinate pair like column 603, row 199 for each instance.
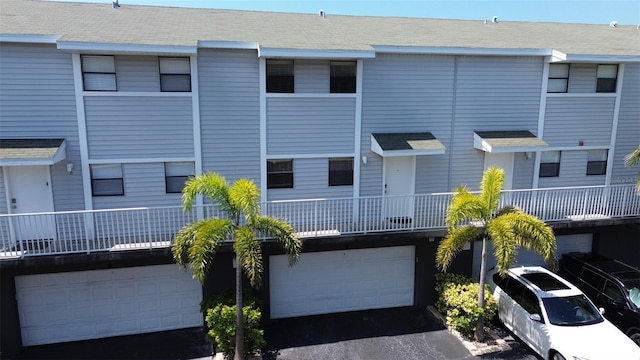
column 594, row 280
column 597, row 162
column 175, row 74
column 176, row 174
column 550, row 164
column 343, row 76
column 99, row 73
column 106, row 180
column 279, row 76
column 558, row 78
column 340, row 171
column 279, row 174
column 607, row 75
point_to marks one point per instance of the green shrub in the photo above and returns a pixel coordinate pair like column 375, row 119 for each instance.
column 458, row 302
column 221, row 320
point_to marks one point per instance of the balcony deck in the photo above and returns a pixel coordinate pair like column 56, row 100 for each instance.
column 68, row 232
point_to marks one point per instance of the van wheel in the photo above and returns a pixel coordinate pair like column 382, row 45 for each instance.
column 636, row 338
column 557, row 356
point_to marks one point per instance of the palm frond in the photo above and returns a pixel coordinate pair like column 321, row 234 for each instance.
column 532, row 233
column 211, row 185
column 282, row 232
column 249, row 254
column 504, row 243
column 491, row 187
column 509, row 209
column 197, row 243
column 244, row 195
column 633, row 158
column 464, row 205
column 453, row 243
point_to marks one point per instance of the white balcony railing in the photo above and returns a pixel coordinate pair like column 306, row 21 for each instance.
column 148, row 228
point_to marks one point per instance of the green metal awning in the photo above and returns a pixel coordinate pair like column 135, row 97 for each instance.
column 24, row 152
column 406, row 144
column 507, row 141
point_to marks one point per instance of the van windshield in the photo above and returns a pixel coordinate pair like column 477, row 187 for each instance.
column 571, row 311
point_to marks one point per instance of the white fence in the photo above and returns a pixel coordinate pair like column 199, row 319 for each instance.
column 147, row 228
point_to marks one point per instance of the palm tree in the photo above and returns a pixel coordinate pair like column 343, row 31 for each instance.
column 197, row 242
column 471, row 216
column 633, row 159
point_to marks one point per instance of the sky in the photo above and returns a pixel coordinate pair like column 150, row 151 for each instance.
column 625, row 12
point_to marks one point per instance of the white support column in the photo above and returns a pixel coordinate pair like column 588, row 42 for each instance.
column 263, row 128
column 357, row 141
column 84, row 145
column 541, row 116
column 197, row 135
column 614, row 126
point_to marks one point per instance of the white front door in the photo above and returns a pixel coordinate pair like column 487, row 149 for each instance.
column 29, row 190
column 503, row 161
column 399, row 184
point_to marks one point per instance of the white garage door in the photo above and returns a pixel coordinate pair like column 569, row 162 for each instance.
column 565, row 244
column 337, row 281
column 102, row 303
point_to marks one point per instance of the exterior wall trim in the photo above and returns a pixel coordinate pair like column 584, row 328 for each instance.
column 541, row 117
column 580, row 95
column 262, row 73
column 388, row 49
column 29, row 39
column 310, row 95
column 138, row 93
column 316, row 53
column 358, row 131
column 143, row 160
column 195, row 103
column 235, row 45
column 127, row 48
column 310, row 156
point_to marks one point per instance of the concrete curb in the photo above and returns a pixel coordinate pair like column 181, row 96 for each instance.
column 219, row 356
column 493, row 344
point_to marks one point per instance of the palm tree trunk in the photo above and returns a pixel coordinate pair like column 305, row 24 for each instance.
column 479, row 335
column 239, row 355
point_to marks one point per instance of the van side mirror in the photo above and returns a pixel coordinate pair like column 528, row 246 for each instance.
column 601, row 311
column 535, row 317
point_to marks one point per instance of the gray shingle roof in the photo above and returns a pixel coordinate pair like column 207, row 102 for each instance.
column 29, row 148
column 150, row 25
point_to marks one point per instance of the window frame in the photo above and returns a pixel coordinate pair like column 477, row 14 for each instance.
column 280, row 83
column 168, row 178
column 565, row 78
column 342, row 83
column 597, row 167
column 608, row 85
column 340, row 177
column 87, row 72
column 274, row 175
column 173, row 74
column 97, row 180
column 551, row 169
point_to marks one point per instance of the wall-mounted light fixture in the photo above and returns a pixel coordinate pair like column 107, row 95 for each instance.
column 527, row 155
column 364, row 160
column 70, row 168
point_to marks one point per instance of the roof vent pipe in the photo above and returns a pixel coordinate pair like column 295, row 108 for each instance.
column 321, row 13
column 115, row 4
column 613, row 24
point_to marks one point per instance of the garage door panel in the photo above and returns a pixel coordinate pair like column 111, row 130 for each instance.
column 337, row 281
column 102, row 303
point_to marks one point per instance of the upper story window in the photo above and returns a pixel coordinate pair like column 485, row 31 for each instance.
column 340, row 171
column 550, row 164
column 606, row 78
column 176, row 175
column 279, row 76
column 107, row 180
column 558, row 78
column 343, row 76
column 99, row 73
column 175, row 74
column 279, row 174
column 597, row 162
